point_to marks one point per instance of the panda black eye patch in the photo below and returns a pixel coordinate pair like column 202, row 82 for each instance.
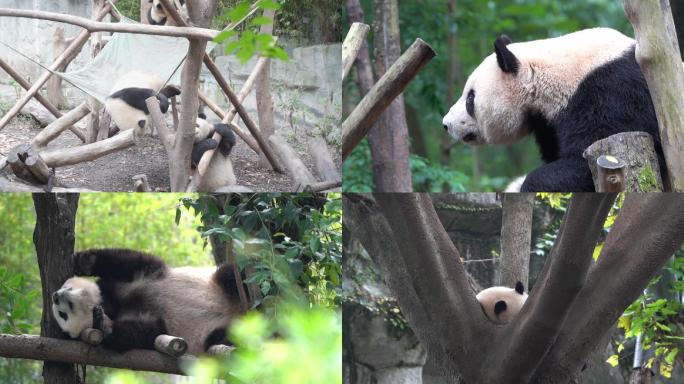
column 470, row 103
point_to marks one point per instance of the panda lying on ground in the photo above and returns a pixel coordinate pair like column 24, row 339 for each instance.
column 142, row 298
column 502, row 304
column 126, row 103
column 568, row 91
column 220, row 170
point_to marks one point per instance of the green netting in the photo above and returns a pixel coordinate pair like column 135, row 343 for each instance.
column 125, row 52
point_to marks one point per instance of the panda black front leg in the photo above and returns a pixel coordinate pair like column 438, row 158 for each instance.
column 227, row 138
column 562, row 175
column 133, row 334
column 199, row 149
column 117, row 264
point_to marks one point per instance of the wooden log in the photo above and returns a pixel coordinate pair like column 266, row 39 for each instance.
column 170, row 345
column 220, row 349
column 294, row 165
column 77, row 352
column 611, row 174
column 63, row 59
column 37, row 166
column 657, row 53
column 242, row 134
column 91, row 336
column 234, row 189
column 390, row 85
column 88, row 152
column 637, row 151
column 40, row 98
column 10, row 183
column 325, row 166
column 15, row 159
column 140, row 183
column 53, row 130
column 353, row 43
column 323, row 186
column 97, row 26
column 263, row 145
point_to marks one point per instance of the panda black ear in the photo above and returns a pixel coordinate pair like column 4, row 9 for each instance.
column 519, row 287
column 499, row 307
column 506, row 59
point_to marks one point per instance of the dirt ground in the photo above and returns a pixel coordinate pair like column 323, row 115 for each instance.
column 114, row 172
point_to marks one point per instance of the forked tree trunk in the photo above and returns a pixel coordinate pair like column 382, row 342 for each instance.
column 389, row 137
column 53, row 238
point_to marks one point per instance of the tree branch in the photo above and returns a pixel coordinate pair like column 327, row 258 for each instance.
column 98, row 26
column 78, row 352
column 632, row 254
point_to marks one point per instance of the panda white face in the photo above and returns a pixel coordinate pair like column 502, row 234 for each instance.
column 491, row 109
column 203, row 129
column 72, row 305
column 502, row 304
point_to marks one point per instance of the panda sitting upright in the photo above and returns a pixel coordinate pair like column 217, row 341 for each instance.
column 142, row 298
column 568, row 91
column 220, row 170
column 502, row 304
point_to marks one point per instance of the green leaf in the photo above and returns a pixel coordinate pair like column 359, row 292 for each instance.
column 671, row 356
column 261, row 20
column 613, row 360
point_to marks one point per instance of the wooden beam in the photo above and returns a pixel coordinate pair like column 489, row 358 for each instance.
column 55, row 128
column 88, row 152
column 353, row 43
column 390, row 85
column 294, row 165
column 63, row 59
column 78, row 352
column 41, row 99
column 98, row 26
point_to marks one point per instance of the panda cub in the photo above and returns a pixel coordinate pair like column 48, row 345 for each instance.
column 156, row 15
column 126, row 103
column 142, row 298
column 502, row 304
column 220, row 171
column 568, row 92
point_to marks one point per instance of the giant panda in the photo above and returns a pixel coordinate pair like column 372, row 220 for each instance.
column 568, row 91
column 156, row 14
column 126, row 102
column 502, row 304
column 142, row 298
column 220, row 171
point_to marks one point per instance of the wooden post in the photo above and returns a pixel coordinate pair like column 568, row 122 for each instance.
column 390, row 85
column 352, row 45
column 55, row 93
column 611, row 174
column 264, row 99
column 325, row 166
column 63, row 59
column 657, row 53
column 294, row 165
column 26, row 85
column 636, row 151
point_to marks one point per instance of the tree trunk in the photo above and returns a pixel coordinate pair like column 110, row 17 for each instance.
column 201, row 13
column 516, row 235
column 560, row 325
column 657, row 53
column 53, row 237
column 389, row 138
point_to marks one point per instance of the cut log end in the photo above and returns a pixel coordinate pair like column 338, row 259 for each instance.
column 170, row 345
column 91, row 336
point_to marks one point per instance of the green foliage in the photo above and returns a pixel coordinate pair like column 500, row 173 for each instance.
column 250, row 42
column 129, row 8
column 426, row 176
column 475, row 24
column 283, row 238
